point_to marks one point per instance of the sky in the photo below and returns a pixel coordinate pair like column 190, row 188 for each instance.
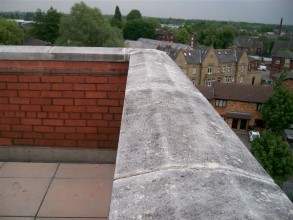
column 258, row 11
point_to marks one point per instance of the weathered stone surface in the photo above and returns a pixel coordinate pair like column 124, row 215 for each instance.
column 64, row 53
column 178, row 159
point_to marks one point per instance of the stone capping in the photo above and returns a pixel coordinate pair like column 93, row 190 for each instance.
column 64, row 53
column 178, row 159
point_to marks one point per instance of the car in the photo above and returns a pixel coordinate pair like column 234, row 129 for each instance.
column 262, row 67
column 253, row 135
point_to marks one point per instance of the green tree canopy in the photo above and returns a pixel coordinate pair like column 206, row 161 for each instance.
column 182, row 36
column 278, row 111
column 274, row 155
column 117, row 19
column 46, row 25
column 87, row 26
column 133, row 14
column 137, row 28
column 10, row 33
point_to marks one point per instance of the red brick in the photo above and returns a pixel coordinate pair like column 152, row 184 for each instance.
column 114, row 124
column 113, row 137
column 74, row 115
column 45, row 142
column 108, row 130
column 8, row 78
column 97, row 95
column 107, row 87
column 56, row 122
column 122, row 87
column 85, row 115
column 116, row 95
column 97, row 116
column 53, row 136
column 9, row 114
column 53, row 115
column 33, row 135
column 62, row 86
column 10, row 121
column 117, row 79
column 65, row 143
column 17, row 86
column 63, row 115
column 39, row 86
column 76, row 136
column 98, row 123
column 118, row 117
column 29, row 93
column 8, row 93
column 62, row 101
column 3, row 86
column 51, row 78
column 115, row 109
column 54, row 108
column 22, row 127
column 65, row 129
column 75, row 123
column 15, row 100
column 121, row 102
column 5, row 127
column 19, row 114
column 108, row 102
column 31, row 121
column 41, row 101
column 97, row 109
column 42, row 115
column 4, row 100
column 75, row 108
column 108, row 116
column 31, row 114
column 7, row 134
column 5, row 141
column 31, row 108
column 43, row 129
column 108, row 144
column 74, row 79
column 51, row 94
column 87, row 144
column 23, row 141
column 9, row 107
column 96, row 79
column 85, row 102
column 29, row 78
column 100, row 137
column 73, row 94
column 86, row 130
column 85, row 87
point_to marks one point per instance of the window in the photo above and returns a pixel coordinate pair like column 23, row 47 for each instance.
column 242, row 69
column 229, row 69
column 277, row 62
column 219, row 79
column 223, row 69
column 208, row 82
column 221, row 103
column 259, row 106
column 228, row 79
column 194, row 71
column 210, row 69
column 241, row 79
column 219, row 69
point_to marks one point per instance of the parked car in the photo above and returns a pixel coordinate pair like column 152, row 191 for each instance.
column 253, row 135
column 262, row 67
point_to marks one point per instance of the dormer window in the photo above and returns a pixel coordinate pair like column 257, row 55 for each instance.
column 210, row 69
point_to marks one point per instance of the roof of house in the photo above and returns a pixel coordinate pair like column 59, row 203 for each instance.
column 138, row 44
column 248, row 42
column 165, row 44
column 237, row 92
column 285, row 53
column 195, row 56
column 164, row 32
column 282, row 45
column 228, row 55
column 36, row 42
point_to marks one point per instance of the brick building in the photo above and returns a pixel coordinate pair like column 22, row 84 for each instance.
column 252, row 45
column 239, row 105
column 280, row 61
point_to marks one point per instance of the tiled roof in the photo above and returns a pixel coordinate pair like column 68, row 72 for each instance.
column 282, row 45
column 285, row 53
column 237, row 92
column 228, row 55
column 248, row 42
column 195, row 56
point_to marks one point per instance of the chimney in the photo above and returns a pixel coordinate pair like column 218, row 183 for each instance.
column 280, row 28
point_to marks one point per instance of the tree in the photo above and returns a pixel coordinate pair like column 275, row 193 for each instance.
column 278, row 111
column 87, row 26
column 133, row 14
column 10, row 33
column 137, row 28
column 182, row 36
column 117, row 19
column 274, row 155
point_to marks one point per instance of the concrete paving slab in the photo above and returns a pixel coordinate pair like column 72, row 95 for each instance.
column 28, row 170
column 21, row 196
column 88, row 171
column 79, row 198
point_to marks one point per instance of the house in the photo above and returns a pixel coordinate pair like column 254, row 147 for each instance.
column 288, row 81
column 281, row 45
column 280, row 61
column 206, row 65
column 165, row 35
column 239, row 105
column 252, row 45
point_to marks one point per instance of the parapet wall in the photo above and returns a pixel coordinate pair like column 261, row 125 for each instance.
column 178, row 159
column 55, row 98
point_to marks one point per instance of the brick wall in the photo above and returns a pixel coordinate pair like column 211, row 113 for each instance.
column 61, row 103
